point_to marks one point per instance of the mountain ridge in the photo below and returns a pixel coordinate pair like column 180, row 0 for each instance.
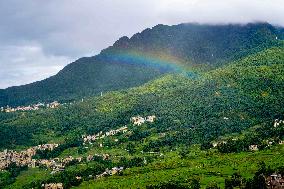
column 116, row 67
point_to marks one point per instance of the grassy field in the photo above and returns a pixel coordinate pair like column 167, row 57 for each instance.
column 208, row 166
column 28, row 176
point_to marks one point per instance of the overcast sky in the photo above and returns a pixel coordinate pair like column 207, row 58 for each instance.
column 40, row 37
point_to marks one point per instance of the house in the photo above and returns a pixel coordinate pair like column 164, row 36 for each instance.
column 140, row 120
column 115, row 170
column 275, row 181
column 106, row 156
column 53, row 186
column 215, row 144
column 253, row 148
column 53, row 104
column 277, row 122
column 90, row 158
column 79, row 159
column 151, row 119
column 137, row 120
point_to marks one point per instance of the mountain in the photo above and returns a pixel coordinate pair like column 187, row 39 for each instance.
column 248, row 92
column 234, row 104
column 145, row 56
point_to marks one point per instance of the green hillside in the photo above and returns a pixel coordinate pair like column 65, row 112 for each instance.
column 236, row 102
column 248, row 92
column 147, row 55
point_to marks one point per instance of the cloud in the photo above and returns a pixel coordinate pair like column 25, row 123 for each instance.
column 24, row 64
column 68, row 29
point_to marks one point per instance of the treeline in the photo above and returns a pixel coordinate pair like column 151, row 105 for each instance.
column 263, row 137
column 69, row 177
column 8, row 176
column 258, row 181
column 48, row 154
column 181, row 184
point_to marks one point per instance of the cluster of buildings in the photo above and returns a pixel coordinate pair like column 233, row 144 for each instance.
column 101, row 135
column 22, row 158
column 52, row 186
column 23, row 108
column 138, row 120
column 25, row 158
column 30, row 107
column 135, row 120
column 56, row 164
column 275, row 181
column 109, row 172
column 215, row 144
column 252, row 147
column 277, row 122
column 103, row 156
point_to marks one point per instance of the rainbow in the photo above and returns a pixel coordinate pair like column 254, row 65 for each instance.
column 161, row 61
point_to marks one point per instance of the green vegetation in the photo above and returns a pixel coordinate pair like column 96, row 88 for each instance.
column 191, row 45
column 248, row 92
column 208, row 166
column 236, row 102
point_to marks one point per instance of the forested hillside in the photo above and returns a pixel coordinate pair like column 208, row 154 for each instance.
column 145, row 56
column 237, row 103
column 247, row 92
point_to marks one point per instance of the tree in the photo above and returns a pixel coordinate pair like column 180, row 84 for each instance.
column 131, row 148
column 206, row 145
column 183, row 153
column 212, row 185
column 195, row 184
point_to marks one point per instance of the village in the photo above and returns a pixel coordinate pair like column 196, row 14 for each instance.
column 92, row 138
column 255, row 147
column 276, row 124
column 33, row 107
column 136, row 121
column 25, row 157
column 107, row 172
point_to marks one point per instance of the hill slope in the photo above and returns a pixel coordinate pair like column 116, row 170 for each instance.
column 145, row 56
column 243, row 98
column 247, row 92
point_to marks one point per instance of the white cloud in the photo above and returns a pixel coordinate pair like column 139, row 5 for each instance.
column 25, row 64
